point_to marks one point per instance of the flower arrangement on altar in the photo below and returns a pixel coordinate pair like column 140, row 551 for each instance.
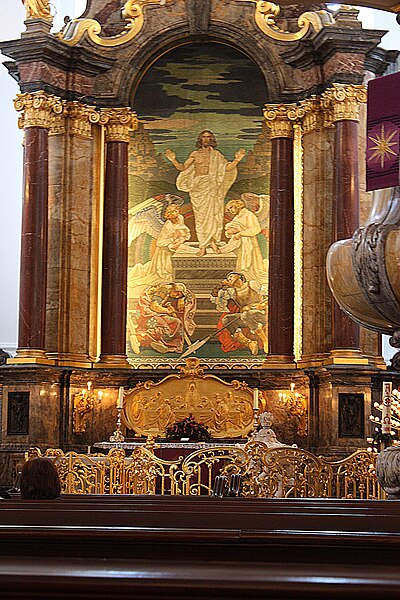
column 188, row 428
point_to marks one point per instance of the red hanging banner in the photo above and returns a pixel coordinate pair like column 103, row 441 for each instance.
column 383, row 132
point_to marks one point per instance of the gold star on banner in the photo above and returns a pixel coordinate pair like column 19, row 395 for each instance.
column 382, row 148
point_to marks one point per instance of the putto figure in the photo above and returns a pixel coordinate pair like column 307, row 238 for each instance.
column 38, row 9
column 207, row 176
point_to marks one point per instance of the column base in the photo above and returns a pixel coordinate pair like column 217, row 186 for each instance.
column 311, row 361
column 279, row 361
column 71, row 360
column 346, row 356
column 30, row 356
column 115, row 361
column 378, row 362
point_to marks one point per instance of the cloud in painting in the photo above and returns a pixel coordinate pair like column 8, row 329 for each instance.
column 153, row 99
column 244, row 111
column 169, row 124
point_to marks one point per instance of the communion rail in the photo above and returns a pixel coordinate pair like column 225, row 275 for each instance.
column 265, row 472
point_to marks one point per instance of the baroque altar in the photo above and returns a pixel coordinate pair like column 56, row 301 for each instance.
column 124, row 288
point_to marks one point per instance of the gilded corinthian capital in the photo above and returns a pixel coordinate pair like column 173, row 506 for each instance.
column 343, row 101
column 312, row 118
column 38, row 109
column 81, row 118
column 38, row 9
column 281, row 117
column 118, row 123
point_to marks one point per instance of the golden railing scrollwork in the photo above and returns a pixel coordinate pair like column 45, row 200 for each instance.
column 284, row 472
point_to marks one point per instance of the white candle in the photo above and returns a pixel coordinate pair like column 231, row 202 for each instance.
column 255, row 399
column 386, row 402
column 89, row 385
column 120, row 397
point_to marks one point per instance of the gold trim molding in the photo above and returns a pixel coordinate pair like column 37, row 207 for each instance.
column 343, row 101
column 298, row 241
column 309, row 22
column 38, row 9
column 118, row 123
column 133, row 14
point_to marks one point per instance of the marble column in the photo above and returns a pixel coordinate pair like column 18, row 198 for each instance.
column 73, row 232
column 118, row 123
column 344, row 104
column 37, row 111
column 281, row 248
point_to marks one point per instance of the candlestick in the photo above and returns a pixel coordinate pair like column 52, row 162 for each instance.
column 386, row 406
column 255, row 399
column 117, row 437
column 120, row 397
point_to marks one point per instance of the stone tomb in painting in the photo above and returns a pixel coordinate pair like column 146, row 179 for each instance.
column 201, row 275
column 226, row 408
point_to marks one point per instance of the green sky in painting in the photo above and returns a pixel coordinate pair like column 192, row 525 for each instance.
column 202, row 87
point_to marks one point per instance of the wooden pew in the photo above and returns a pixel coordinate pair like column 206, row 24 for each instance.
column 199, row 547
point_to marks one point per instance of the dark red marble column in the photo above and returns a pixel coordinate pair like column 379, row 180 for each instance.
column 346, row 333
column 115, row 255
column 281, row 252
column 32, row 301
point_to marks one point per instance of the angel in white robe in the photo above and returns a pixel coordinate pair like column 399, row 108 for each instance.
column 242, row 232
column 169, row 236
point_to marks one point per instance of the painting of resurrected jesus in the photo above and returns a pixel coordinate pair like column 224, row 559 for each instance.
column 207, row 176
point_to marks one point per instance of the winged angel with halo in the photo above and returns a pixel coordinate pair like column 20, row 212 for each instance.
column 157, row 229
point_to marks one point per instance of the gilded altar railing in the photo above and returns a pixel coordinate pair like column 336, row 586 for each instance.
column 266, row 472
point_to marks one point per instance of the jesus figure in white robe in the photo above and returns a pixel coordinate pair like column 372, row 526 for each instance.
column 207, row 176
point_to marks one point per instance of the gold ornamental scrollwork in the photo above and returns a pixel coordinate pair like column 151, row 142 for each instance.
column 118, row 123
column 343, row 101
column 133, row 14
column 266, row 14
column 38, row 109
column 38, row 9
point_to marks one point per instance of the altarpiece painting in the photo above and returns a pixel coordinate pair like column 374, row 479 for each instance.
column 199, row 210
